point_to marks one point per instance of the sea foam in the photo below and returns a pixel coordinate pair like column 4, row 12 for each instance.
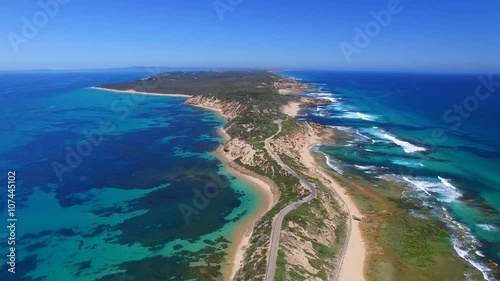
column 464, row 254
column 331, row 163
column 407, row 147
column 407, row 163
column 447, row 182
column 486, row 227
column 359, row 115
column 446, row 193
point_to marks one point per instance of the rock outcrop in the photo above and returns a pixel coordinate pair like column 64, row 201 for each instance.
column 287, row 86
column 239, row 149
column 294, row 144
column 311, row 101
column 227, row 109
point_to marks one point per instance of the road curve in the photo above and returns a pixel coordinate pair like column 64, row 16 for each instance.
column 278, row 220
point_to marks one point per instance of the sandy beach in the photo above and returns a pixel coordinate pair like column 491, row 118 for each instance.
column 243, row 232
column 354, row 259
column 141, row 93
column 219, row 112
column 291, row 109
column 352, row 268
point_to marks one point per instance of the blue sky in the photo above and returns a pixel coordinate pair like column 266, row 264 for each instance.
column 420, row 35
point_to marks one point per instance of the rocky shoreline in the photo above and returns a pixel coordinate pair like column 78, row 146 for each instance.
column 250, row 120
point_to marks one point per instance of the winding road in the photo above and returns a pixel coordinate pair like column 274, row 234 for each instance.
column 278, row 220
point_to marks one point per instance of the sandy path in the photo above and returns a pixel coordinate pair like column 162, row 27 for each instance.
column 352, row 260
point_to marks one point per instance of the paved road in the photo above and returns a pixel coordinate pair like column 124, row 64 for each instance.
column 278, row 220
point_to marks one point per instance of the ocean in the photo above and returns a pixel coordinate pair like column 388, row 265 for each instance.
column 436, row 134
column 112, row 186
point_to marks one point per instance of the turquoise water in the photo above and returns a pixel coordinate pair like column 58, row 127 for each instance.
column 404, row 127
column 113, row 186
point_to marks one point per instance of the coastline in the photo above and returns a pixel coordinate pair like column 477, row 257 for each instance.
column 131, row 91
column 372, row 238
column 355, row 253
column 244, row 230
column 363, row 249
column 292, row 108
column 222, row 133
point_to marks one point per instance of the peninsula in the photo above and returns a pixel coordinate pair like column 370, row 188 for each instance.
column 315, row 224
column 302, row 233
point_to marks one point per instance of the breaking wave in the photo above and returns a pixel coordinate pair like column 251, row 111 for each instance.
column 442, row 192
column 407, row 147
column 486, row 227
column 359, row 115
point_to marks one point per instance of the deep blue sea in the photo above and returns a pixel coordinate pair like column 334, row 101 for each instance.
column 437, row 134
column 112, row 186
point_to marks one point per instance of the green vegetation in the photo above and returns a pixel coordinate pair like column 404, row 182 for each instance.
column 258, row 101
column 407, row 242
column 313, row 217
column 290, row 162
column 311, row 222
column 287, row 127
column 280, row 274
column 246, row 87
column 422, row 238
column 254, row 90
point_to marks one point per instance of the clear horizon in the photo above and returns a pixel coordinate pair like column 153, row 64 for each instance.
column 155, row 70
column 387, row 35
